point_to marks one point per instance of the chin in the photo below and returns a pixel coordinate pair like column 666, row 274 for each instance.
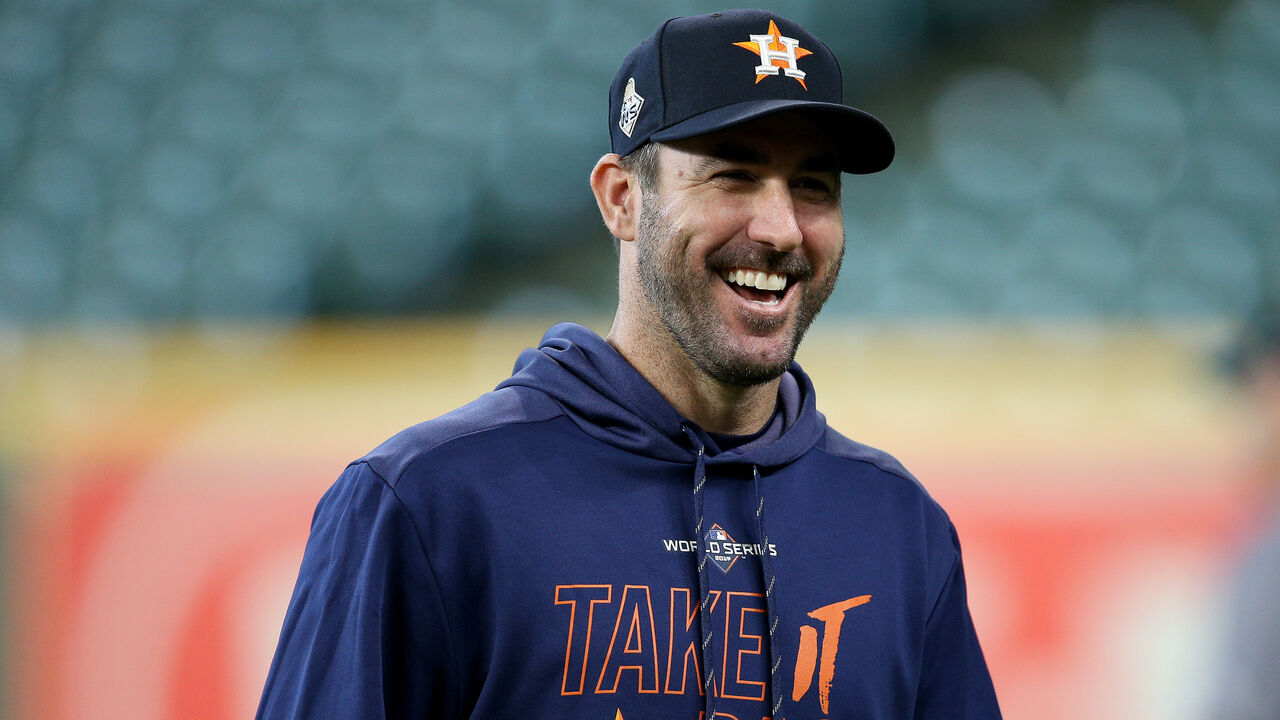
column 749, row 366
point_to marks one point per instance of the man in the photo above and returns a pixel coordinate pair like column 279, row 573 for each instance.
column 657, row 525
column 1245, row 687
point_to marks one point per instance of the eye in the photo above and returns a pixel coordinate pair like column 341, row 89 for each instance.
column 734, row 175
column 816, row 186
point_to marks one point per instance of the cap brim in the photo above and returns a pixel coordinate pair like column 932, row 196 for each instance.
column 864, row 143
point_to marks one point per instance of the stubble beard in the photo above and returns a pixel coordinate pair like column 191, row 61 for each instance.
column 684, row 301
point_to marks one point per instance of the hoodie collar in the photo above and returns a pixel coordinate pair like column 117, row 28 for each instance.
column 612, row 402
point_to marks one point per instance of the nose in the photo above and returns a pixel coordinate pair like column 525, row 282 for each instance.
column 773, row 220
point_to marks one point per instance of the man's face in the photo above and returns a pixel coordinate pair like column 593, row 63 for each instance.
column 740, row 245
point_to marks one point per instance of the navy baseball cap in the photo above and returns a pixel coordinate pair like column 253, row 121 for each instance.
column 704, row 73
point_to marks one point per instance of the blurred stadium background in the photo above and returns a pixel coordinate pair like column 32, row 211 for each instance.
column 242, row 242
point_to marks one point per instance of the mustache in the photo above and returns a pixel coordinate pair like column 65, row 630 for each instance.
column 793, row 265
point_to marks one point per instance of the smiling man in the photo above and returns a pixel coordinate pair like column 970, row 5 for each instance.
column 727, row 258
column 656, row 525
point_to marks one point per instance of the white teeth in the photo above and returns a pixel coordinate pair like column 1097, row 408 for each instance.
column 756, row 279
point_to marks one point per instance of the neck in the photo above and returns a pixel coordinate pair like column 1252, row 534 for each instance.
column 715, row 406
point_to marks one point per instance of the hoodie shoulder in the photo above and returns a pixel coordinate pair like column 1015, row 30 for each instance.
column 835, row 444
column 894, row 481
column 503, row 408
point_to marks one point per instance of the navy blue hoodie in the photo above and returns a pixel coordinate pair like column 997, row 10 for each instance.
column 535, row 554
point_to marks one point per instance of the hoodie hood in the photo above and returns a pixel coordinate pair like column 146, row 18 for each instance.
column 612, row 402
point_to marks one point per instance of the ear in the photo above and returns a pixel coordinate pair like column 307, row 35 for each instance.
column 617, row 195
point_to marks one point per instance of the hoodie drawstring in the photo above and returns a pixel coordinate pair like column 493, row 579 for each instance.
column 704, row 601
column 704, row 610
column 766, row 567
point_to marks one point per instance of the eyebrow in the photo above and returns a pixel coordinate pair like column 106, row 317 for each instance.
column 732, row 152
column 737, row 153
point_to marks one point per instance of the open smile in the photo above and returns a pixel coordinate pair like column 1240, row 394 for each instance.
column 758, row 286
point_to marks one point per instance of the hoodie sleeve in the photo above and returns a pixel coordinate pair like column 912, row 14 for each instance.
column 365, row 636
column 955, row 683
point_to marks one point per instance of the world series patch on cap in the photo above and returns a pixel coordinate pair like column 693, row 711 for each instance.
column 704, row 73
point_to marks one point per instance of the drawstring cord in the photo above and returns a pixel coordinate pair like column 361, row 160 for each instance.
column 704, row 610
column 766, row 566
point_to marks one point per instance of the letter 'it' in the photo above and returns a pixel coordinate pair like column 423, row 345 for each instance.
column 832, row 617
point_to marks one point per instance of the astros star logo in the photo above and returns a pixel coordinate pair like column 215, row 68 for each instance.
column 777, row 52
